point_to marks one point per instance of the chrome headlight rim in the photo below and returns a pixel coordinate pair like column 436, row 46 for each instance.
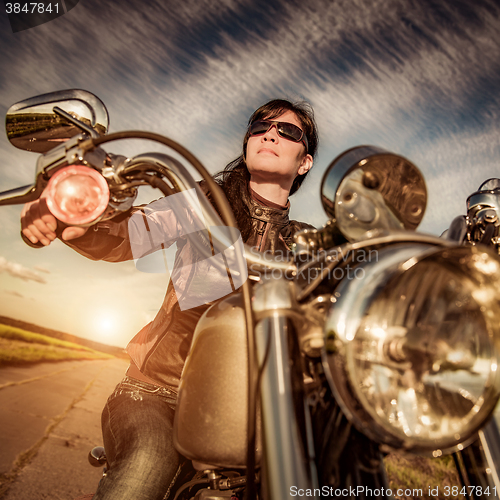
column 336, row 359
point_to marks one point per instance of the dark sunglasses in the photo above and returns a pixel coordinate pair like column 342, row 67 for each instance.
column 286, row 130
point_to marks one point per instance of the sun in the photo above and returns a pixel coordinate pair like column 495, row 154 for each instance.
column 106, row 325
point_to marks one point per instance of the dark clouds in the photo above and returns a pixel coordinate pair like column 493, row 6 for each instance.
column 411, row 76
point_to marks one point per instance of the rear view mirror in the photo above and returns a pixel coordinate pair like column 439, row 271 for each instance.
column 367, row 188
column 41, row 123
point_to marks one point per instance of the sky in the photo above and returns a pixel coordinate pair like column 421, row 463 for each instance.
column 418, row 78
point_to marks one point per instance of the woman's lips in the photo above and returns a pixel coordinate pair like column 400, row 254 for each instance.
column 268, row 150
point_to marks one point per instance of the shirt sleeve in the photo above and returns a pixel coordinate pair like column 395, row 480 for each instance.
column 143, row 230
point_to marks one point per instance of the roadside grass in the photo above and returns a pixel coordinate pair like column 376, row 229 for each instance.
column 417, row 474
column 18, row 346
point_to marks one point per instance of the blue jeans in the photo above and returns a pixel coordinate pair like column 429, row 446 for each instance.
column 137, row 426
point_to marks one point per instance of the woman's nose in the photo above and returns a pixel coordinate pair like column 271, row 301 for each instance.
column 271, row 134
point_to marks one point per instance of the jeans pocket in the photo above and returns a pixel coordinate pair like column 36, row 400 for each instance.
column 126, row 386
column 136, row 389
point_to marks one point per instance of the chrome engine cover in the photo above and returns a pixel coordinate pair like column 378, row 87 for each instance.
column 211, row 417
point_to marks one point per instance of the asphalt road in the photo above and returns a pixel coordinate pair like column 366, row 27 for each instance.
column 49, row 420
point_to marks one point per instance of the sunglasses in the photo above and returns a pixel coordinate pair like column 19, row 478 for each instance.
column 286, row 130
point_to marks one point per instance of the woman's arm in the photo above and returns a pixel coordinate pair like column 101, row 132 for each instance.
column 39, row 226
column 105, row 241
column 132, row 234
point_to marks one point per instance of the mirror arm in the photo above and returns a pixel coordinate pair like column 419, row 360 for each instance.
column 22, row 194
column 71, row 119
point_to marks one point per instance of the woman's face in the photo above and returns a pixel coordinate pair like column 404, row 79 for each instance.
column 271, row 158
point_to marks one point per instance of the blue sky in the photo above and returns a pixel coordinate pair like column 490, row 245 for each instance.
column 421, row 79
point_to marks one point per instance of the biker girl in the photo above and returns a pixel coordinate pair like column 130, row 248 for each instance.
column 278, row 152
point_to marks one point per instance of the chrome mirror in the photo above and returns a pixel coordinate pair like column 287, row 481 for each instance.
column 41, row 123
column 486, row 197
column 368, row 188
column 483, row 215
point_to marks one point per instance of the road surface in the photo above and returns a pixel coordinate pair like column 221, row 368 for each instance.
column 49, row 420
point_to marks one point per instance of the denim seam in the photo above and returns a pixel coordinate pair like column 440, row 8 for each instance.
column 167, row 494
column 115, row 442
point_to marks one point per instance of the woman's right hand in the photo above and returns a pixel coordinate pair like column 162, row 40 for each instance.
column 39, row 225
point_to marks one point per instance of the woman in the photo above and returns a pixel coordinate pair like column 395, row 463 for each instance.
column 278, row 151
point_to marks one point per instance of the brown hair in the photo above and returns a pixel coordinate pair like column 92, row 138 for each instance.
column 235, row 175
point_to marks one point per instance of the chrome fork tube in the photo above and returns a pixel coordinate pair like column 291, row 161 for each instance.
column 285, row 455
column 478, row 465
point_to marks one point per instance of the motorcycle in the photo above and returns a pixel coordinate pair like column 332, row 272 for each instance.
column 479, row 463
column 372, row 338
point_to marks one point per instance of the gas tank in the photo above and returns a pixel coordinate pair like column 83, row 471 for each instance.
column 211, row 416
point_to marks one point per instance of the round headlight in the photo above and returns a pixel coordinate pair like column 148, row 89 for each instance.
column 413, row 345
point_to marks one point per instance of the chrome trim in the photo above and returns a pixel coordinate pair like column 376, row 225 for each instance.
column 353, row 299
column 368, row 188
column 37, row 124
column 488, row 437
column 282, row 442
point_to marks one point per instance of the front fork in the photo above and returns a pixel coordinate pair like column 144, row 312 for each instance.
column 288, row 465
column 478, row 465
column 288, row 451
column 304, row 447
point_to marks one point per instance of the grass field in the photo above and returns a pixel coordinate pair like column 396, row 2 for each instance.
column 18, row 346
column 416, row 475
